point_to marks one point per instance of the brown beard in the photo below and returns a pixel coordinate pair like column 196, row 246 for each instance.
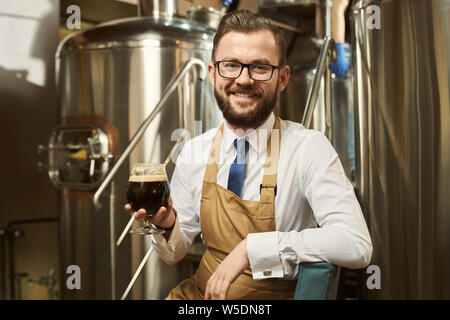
column 251, row 119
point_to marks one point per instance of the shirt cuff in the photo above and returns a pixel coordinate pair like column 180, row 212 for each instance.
column 262, row 250
column 166, row 248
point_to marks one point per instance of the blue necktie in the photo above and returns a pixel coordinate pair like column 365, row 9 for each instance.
column 237, row 169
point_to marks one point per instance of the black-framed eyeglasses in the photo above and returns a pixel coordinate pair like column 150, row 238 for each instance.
column 257, row 71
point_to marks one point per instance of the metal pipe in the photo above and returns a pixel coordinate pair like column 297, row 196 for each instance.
column 157, row 8
column 140, row 132
column 315, row 87
column 328, row 107
column 328, row 7
column 327, row 76
column 138, row 271
column 112, row 199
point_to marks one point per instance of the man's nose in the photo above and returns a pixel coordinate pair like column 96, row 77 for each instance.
column 244, row 78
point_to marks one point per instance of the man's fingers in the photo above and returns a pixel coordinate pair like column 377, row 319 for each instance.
column 159, row 216
column 169, row 205
column 140, row 215
column 224, row 290
column 222, row 287
column 208, row 288
column 217, row 287
column 211, row 285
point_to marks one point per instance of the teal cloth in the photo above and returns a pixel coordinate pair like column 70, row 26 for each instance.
column 317, row 281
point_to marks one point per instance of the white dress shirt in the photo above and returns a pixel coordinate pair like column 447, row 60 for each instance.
column 312, row 189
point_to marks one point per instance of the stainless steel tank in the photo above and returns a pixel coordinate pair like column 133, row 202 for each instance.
column 402, row 117
column 110, row 78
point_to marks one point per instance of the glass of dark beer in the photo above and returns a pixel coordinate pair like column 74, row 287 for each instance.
column 148, row 188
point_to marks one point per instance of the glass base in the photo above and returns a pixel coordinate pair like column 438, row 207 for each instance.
column 147, row 230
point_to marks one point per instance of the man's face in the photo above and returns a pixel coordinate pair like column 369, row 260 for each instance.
column 246, row 103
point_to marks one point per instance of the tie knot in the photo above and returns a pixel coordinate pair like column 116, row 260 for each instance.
column 241, row 146
column 239, row 143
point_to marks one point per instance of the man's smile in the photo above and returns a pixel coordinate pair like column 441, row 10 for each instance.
column 242, row 95
column 243, row 99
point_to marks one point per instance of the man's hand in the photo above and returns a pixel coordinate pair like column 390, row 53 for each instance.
column 164, row 217
column 230, row 268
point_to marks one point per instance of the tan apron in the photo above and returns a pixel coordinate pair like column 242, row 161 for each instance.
column 226, row 220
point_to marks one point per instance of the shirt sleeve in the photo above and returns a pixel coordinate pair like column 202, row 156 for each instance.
column 342, row 237
column 264, row 263
column 173, row 250
column 187, row 224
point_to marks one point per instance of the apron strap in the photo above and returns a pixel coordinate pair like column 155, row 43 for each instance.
column 269, row 182
column 213, row 161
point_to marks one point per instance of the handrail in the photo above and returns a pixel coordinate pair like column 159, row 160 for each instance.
column 140, row 132
column 315, row 87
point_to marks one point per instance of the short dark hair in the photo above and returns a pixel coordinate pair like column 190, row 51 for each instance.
column 244, row 21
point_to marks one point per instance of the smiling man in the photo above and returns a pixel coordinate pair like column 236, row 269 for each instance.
column 265, row 193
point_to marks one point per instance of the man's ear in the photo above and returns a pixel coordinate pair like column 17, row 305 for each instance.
column 285, row 72
column 211, row 73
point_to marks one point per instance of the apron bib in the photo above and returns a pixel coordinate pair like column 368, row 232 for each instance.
column 226, row 220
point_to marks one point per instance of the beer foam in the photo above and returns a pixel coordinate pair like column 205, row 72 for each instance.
column 152, row 178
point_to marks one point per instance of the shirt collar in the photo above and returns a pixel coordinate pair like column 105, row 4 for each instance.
column 257, row 138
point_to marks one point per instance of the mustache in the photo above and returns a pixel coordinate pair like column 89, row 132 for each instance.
column 243, row 90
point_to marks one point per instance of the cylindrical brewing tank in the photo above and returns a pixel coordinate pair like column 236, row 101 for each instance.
column 402, row 117
column 110, row 78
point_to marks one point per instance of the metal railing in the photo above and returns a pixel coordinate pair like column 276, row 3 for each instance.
column 321, row 71
column 140, row 132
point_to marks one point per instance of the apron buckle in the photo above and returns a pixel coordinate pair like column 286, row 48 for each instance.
column 267, row 186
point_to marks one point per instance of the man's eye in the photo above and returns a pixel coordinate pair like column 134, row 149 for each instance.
column 231, row 65
column 261, row 67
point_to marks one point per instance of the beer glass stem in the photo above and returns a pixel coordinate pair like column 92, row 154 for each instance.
column 147, row 223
